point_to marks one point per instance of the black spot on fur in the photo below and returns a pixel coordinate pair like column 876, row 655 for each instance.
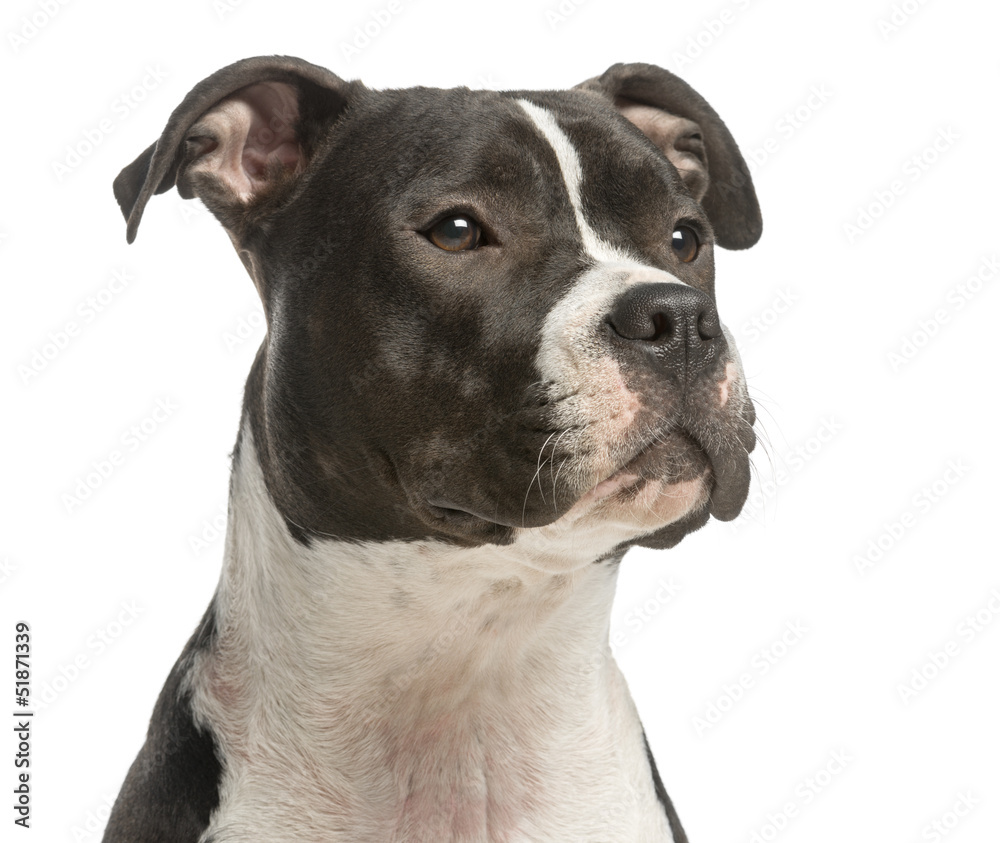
column 172, row 787
column 661, row 794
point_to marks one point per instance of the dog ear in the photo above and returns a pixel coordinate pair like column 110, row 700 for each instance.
column 694, row 139
column 238, row 137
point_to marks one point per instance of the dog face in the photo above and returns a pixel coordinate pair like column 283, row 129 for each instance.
column 491, row 316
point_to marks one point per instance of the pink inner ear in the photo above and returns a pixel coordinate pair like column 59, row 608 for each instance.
column 271, row 137
column 676, row 137
column 242, row 137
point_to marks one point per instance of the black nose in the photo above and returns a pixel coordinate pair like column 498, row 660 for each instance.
column 677, row 323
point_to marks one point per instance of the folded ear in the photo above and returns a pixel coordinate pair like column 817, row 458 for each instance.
column 694, row 139
column 237, row 139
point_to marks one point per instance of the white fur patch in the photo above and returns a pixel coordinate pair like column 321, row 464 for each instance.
column 601, row 414
column 414, row 691
column 572, row 173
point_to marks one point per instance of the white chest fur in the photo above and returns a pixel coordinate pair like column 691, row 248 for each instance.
column 414, row 692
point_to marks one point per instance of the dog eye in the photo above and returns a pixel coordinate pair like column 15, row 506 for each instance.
column 685, row 243
column 456, row 234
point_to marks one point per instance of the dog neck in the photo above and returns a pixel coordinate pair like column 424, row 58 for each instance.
column 407, row 673
column 421, row 611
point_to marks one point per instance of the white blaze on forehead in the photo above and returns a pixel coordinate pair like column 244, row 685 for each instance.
column 566, row 342
column 572, row 173
column 568, row 347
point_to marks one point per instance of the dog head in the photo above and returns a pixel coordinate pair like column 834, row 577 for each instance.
column 491, row 315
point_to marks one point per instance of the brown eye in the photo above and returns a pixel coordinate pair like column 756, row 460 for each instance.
column 455, row 234
column 685, row 243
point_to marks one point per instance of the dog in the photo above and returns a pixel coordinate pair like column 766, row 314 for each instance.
column 493, row 363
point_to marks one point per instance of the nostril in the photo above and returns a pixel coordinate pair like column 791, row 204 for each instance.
column 709, row 326
column 638, row 319
column 662, row 328
column 642, row 326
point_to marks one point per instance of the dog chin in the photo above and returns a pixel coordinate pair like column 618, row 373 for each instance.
column 670, row 481
column 667, row 492
column 640, row 504
column 614, row 515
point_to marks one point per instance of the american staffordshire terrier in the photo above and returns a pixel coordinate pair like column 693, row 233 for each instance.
column 493, row 363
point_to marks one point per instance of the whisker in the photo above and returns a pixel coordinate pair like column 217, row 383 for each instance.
column 538, row 469
column 552, row 462
column 761, row 402
column 562, row 465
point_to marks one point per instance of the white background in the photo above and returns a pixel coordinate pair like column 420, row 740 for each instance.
column 834, row 107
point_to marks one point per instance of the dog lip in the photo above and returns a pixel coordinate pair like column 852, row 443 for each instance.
column 730, row 482
column 727, row 457
column 454, row 513
column 622, row 477
column 619, row 480
column 731, row 470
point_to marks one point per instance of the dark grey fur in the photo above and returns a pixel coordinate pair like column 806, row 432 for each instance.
column 404, row 330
